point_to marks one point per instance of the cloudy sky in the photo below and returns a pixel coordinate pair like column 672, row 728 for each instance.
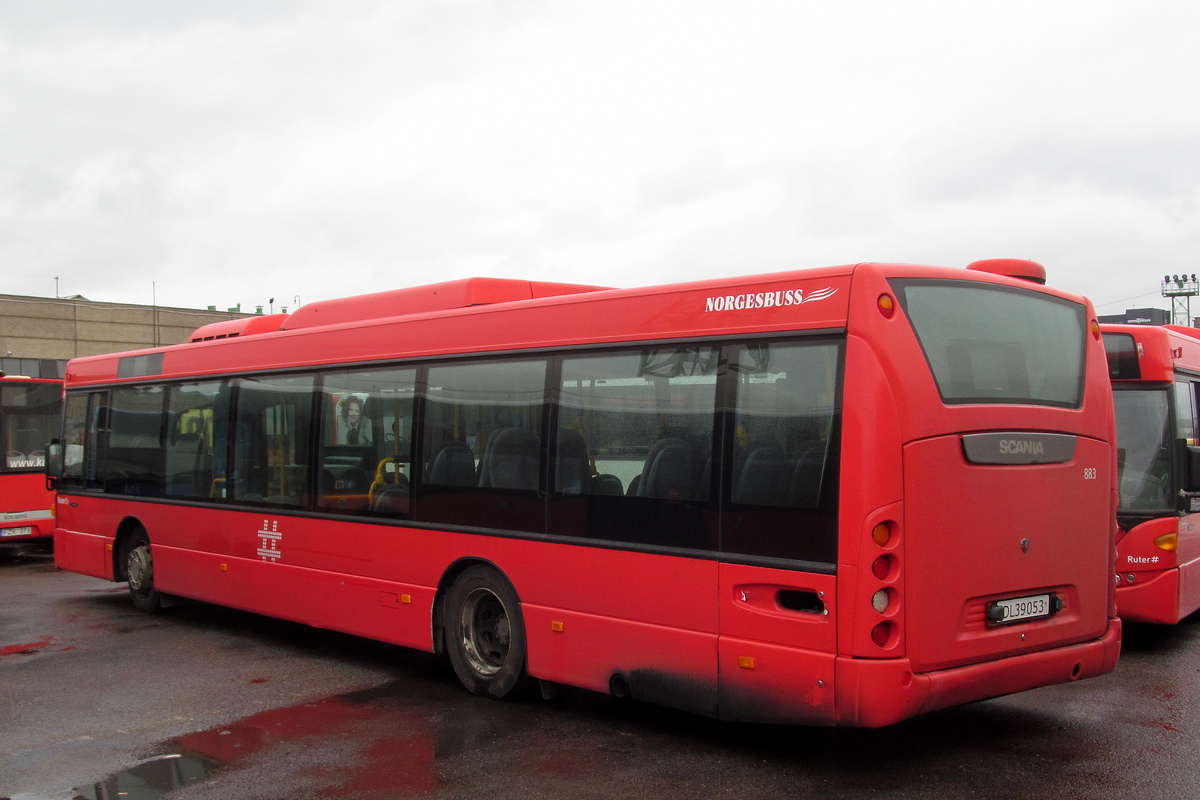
column 235, row 151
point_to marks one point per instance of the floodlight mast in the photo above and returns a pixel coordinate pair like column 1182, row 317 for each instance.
column 1181, row 289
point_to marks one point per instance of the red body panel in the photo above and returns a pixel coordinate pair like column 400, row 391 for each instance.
column 1156, row 585
column 25, row 502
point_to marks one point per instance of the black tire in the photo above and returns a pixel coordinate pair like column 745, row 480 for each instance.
column 139, row 573
column 485, row 634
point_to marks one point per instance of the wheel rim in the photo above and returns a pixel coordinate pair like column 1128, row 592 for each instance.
column 486, row 632
column 141, row 569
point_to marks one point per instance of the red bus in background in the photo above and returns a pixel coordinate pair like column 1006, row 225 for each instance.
column 30, row 416
column 1155, row 373
column 839, row 496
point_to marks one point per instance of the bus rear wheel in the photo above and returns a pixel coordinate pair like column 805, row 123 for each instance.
column 139, row 573
column 485, row 633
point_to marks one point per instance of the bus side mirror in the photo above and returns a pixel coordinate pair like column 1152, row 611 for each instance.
column 1192, row 478
column 54, row 464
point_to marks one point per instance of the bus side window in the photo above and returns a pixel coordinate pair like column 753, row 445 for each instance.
column 190, row 426
column 365, row 453
column 481, row 445
column 786, row 418
column 633, row 458
column 271, row 441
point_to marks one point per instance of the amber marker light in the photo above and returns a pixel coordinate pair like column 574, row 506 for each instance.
column 882, row 534
column 1095, row 329
column 1168, row 541
column 887, row 306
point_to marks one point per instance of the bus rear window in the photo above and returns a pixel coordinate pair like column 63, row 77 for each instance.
column 996, row 344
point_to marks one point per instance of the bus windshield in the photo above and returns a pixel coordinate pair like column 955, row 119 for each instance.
column 28, row 420
column 1144, row 455
column 995, row 344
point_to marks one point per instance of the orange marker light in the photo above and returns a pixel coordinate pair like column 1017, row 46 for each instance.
column 887, row 305
column 1168, row 541
column 882, row 534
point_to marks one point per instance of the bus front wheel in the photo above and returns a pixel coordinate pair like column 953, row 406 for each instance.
column 485, row 633
column 139, row 573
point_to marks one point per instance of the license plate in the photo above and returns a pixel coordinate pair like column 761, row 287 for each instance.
column 24, row 530
column 1020, row 609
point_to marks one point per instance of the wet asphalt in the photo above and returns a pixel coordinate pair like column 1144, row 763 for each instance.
column 100, row 701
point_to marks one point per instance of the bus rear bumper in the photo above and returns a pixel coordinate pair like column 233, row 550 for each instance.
column 872, row 693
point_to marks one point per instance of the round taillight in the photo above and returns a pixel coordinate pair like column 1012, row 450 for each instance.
column 887, row 305
column 882, row 534
column 881, row 600
column 881, row 634
column 882, row 567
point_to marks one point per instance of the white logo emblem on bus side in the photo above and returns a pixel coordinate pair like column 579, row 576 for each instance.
column 270, row 536
column 747, row 302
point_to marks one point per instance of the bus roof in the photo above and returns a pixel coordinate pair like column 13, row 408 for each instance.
column 483, row 315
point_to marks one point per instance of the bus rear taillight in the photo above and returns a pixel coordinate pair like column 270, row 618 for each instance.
column 885, row 599
column 882, row 633
column 881, row 600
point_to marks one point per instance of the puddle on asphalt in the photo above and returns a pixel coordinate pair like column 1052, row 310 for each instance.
column 148, row 780
column 389, row 750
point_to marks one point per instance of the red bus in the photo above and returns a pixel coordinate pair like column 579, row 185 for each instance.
column 30, row 416
column 1155, row 373
column 839, row 496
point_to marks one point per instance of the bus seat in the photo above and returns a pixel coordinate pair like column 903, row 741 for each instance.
column 670, row 471
column 453, row 464
column 606, row 484
column 573, row 473
column 763, row 477
column 392, row 499
column 511, row 461
column 804, row 489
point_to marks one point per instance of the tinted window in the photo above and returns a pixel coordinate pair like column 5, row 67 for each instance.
column 995, row 344
column 271, row 441
column 29, row 418
column 133, row 459
column 783, row 465
column 1122, row 356
column 1144, row 433
column 195, row 464
column 634, row 447
column 481, row 445
column 366, row 441
column 81, row 420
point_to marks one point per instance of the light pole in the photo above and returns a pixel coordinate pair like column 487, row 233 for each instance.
column 1181, row 289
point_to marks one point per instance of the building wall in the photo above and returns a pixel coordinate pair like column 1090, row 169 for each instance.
column 59, row 329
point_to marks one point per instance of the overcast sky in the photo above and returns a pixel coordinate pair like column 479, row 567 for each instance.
column 235, row 151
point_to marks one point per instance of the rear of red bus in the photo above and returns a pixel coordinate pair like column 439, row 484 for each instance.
column 978, row 494
column 29, row 419
column 1155, row 375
